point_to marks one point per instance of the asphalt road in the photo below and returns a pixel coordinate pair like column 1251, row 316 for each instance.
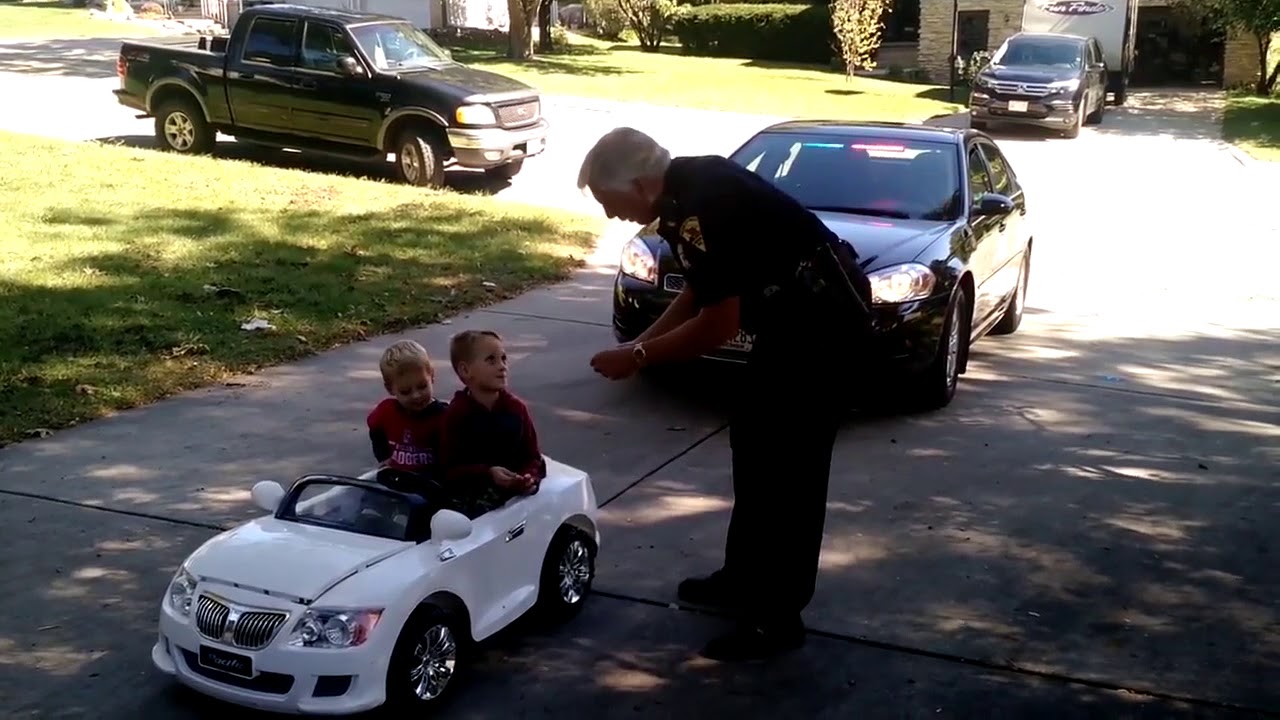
column 1085, row 532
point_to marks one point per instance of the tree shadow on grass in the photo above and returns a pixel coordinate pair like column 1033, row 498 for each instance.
column 164, row 312
column 462, row 180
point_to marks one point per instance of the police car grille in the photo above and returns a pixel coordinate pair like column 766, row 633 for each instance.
column 254, row 629
column 524, row 113
column 673, row 283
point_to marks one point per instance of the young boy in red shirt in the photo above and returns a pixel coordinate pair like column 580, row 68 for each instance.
column 489, row 447
column 405, row 428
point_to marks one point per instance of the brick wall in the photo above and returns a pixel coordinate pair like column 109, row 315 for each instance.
column 1240, row 61
column 935, row 30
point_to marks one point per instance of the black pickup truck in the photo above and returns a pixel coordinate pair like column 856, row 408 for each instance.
column 347, row 83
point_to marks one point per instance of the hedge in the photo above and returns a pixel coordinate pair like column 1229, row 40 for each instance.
column 789, row 33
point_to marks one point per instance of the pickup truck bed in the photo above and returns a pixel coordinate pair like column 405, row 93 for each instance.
column 358, row 85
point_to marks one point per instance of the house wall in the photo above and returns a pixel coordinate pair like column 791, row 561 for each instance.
column 935, row 30
column 1240, row 61
column 489, row 14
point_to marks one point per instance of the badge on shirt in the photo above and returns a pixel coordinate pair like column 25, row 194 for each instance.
column 691, row 231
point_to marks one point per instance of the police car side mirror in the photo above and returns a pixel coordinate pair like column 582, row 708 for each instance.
column 992, row 205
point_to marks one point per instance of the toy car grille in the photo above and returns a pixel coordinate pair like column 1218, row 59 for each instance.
column 251, row 630
column 673, row 283
column 523, row 113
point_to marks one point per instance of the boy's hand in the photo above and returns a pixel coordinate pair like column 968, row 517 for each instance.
column 504, row 478
column 529, row 484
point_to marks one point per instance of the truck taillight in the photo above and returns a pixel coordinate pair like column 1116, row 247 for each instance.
column 120, row 65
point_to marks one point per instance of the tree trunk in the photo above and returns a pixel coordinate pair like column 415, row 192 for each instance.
column 1266, row 82
column 544, row 26
column 519, row 40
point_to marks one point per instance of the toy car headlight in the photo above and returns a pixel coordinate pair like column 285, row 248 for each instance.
column 182, row 591
column 320, row 628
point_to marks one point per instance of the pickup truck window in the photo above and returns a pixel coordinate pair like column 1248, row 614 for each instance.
column 322, row 45
column 270, row 40
column 398, row 45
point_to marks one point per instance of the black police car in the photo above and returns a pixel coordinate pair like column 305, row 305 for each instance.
column 936, row 215
column 1048, row 80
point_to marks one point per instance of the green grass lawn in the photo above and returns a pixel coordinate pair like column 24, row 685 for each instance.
column 592, row 68
column 54, row 20
column 1253, row 123
column 125, row 274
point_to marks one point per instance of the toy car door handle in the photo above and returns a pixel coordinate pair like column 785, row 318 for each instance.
column 516, row 531
column 447, row 554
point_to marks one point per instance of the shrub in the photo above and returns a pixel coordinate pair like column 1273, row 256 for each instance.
column 605, row 19
column 794, row 33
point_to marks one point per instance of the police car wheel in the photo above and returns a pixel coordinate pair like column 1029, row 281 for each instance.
column 937, row 384
column 1013, row 310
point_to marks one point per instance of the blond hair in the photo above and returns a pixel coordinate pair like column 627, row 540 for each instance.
column 462, row 348
column 401, row 356
column 620, row 157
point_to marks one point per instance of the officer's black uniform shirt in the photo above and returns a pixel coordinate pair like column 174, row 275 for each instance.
column 735, row 234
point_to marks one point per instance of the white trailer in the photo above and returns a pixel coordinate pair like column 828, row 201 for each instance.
column 1113, row 22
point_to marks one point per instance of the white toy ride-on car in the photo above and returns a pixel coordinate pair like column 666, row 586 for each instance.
column 354, row 595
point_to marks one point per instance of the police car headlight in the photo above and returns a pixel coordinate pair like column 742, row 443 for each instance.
column 901, row 283
column 638, row 261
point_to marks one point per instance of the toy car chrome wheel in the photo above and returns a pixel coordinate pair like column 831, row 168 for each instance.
column 428, row 661
column 575, row 571
column 436, row 655
column 567, row 573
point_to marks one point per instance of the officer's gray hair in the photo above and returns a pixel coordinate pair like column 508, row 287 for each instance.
column 620, row 156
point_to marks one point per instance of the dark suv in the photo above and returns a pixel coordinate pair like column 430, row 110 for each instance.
column 1043, row 79
column 354, row 84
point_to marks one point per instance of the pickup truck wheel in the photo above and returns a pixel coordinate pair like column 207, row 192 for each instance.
column 181, row 128
column 505, row 171
column 420, row 159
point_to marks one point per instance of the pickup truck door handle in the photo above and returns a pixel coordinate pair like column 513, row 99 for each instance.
column 307, row 84
column 246, row 76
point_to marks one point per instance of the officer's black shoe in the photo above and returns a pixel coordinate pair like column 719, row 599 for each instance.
column 714, row 591
column 755, row 642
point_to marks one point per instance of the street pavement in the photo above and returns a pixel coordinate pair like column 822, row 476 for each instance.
column 1086, row 532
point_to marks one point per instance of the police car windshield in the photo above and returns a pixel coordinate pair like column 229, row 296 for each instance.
column 907, row 179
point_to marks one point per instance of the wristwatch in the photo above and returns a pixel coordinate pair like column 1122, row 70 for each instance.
column 637, row 352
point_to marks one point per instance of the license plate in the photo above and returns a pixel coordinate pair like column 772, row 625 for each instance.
column 741, row 342
column 227, row 662
column 1017, row 106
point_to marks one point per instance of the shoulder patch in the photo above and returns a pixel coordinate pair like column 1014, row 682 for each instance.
column 691, row 231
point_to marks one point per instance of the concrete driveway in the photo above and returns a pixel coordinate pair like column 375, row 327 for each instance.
column 1085, row 532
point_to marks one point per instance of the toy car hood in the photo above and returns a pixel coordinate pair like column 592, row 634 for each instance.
column 288, row 559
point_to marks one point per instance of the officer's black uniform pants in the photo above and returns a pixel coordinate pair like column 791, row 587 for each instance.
column 782, row 436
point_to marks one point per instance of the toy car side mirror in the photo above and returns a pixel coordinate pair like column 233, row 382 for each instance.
column 267, row 494
column 450, row 525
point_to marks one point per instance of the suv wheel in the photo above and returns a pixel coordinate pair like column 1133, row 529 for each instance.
column 420, row 158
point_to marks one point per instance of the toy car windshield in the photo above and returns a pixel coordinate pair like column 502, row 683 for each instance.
column 353, row 506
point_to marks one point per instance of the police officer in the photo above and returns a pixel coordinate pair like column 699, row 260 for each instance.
column 755, row 259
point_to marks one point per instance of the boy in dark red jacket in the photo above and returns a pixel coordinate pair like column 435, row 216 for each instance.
column 489, row 448
column 404, row 429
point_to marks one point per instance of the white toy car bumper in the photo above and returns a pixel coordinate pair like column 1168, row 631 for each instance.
column 285, row 679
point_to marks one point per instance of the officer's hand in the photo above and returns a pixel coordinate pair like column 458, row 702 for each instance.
column 615, row 364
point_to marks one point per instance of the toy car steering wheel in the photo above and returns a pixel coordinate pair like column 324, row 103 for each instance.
column 408, row 481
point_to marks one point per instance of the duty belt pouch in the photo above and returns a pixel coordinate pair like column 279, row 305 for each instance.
column 833, row 274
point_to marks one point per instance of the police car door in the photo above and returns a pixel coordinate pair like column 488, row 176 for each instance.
column 984, row 258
